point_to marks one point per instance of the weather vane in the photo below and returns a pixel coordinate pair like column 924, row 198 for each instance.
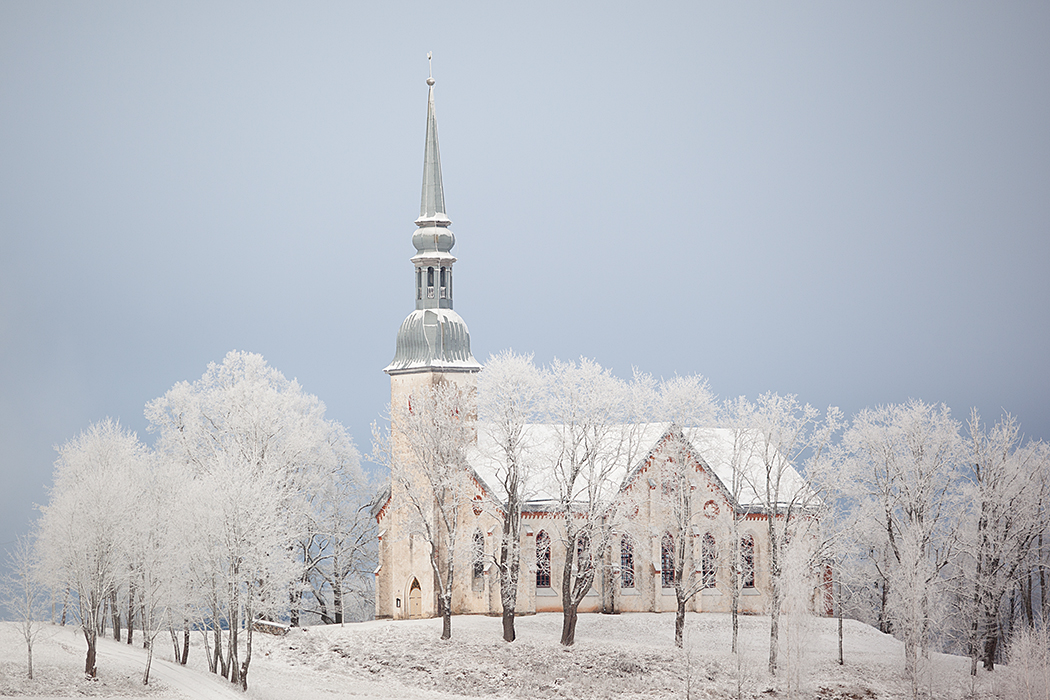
column 430, row 62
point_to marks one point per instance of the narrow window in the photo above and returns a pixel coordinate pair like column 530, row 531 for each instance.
column 479, row 559
column 430, row 283
column 747, row 562
column 450, row 283
column 667, row 561
column 708, row 558
column 443, row 295
column 543, row 560
column 419, row 283
column 626, row 562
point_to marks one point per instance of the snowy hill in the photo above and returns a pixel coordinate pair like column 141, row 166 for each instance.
column 624, row 656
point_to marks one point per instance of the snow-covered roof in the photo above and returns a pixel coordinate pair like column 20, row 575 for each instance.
column 713, row 446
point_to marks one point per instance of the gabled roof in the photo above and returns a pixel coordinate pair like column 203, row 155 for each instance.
column 712, row 447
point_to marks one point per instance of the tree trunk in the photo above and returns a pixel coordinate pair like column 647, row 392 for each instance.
column 568, row 605
column 185, row 641
column 149, row 660
column 247, row 660
column 1026, row 599
column 116, row 614
column 990, row 643
column 838, row 612
column 231, row 653
column 446, row 616
column 774, row 585
column 568, row 626
column 508, row 624
column 89, row 664
column 29, row 651
column 509, row 566
column 131, row 610
column 337, row 591
column 174, row 643
column 679, row 621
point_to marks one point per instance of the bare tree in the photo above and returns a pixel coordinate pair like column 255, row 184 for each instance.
column 687, row 403
column 254, row 445
column 1008, row 484
column 786, row 433
column 903, row 463
column 508, row 392
column 22, row 593
column 82, row 529
column 596, row 441
column 430, row 477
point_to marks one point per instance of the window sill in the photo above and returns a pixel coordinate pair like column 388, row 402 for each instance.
column 667, row 591
column 546, row 593
column 749, row 591
column 711, row 592
column 628, row 591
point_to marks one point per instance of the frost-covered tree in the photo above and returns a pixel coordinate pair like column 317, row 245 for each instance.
column 253, row 445
column 22, row 594
column 593, row 416
column 904, row 462
column 1008, row 483
column 337, row 551
column 433, row 481
column 508, row 393
column 687, row 403
column 83, row 528
column 786, row 434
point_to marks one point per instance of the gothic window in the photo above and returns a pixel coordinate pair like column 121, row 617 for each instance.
column 667, row 561
column 747, row 562
column 626, row 562
column 543, row 560
column 708, row 559
column 478, row 556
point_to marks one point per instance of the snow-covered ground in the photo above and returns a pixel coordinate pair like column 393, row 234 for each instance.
column 623, row 656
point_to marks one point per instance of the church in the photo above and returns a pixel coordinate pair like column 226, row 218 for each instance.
column 433, row 348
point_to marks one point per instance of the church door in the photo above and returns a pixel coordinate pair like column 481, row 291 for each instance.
column 415, row 600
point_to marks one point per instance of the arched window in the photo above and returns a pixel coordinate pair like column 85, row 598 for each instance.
column 626, row 562
column 442, row 283
column 543, row 560
column 419, row 283
column 430, row 283
column 708, row 560
column 478, row 554
column 667, row 561
column 747, row 562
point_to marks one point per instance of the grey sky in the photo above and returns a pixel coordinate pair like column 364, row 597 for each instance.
column 846, row 201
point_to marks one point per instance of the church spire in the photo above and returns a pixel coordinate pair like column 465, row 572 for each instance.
column 433, row 338
column 432, row 203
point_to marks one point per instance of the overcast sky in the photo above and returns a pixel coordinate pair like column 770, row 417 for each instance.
column 846, row 201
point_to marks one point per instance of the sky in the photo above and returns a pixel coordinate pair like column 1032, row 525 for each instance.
column 845, row 201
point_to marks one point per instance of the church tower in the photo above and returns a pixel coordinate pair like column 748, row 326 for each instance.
column 433, row 343
column 433, row 347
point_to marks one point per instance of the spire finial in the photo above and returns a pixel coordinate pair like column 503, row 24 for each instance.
column 430, row 61
column 432, row 205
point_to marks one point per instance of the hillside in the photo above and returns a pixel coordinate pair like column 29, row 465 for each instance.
column 626, row 656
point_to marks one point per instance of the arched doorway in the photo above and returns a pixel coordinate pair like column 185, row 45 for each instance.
column 415, row 600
